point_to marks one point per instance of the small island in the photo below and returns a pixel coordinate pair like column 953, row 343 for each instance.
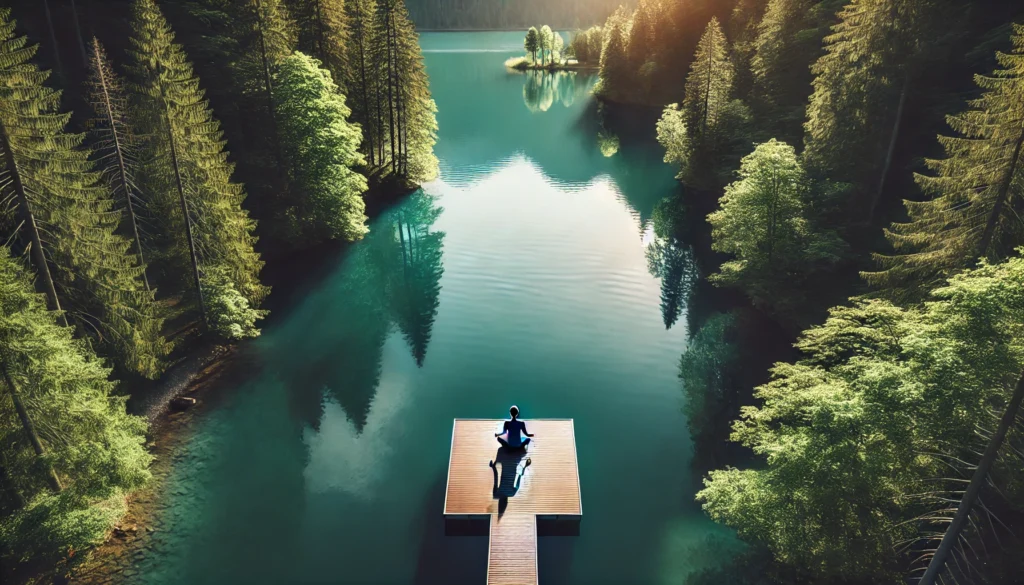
column 546, row 50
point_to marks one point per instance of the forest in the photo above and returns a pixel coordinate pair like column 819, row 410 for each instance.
column 856, row 169
column 131, row 233
column 849, row 170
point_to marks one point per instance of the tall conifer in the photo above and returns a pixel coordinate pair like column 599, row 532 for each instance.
column 202, row 223
column 977, row 189
column 324, row 33
column 67, row 218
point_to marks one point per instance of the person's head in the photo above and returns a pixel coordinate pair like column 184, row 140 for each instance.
column 514, row 411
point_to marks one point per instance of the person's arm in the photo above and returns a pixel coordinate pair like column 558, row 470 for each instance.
column 524, row 429
column 504, row 429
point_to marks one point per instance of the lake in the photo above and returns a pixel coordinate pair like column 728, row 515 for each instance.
column 520, row 276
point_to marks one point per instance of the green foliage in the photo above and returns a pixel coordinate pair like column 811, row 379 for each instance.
column 321, row 149
column 708, row 86
column 546, row 41
column 788, row 40
column 869, row 60
column 850, row 432
column 532, row 42
column 92, row 444
column 186, row 158
column 324, row 33
column 389, row 93
column 977, row 190
column 58, row 204
column 615, row 73
column 586, row 45
column 705, row 371
column 230, row 314
column 763, row 222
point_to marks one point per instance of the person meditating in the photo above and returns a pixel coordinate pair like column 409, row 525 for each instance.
column 512, row 432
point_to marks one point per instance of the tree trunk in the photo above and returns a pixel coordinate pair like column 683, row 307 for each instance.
column 1001, row 196
column 53, row 39
column 320, row 29
column 122, row 170
column 892, row 147
column 978, row 480
column 38, row 257
column 30, row 429
column 184, row 212
column 391, row 73
column 268, row 88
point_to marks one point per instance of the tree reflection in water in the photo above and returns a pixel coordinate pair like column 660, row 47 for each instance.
column 543, row 89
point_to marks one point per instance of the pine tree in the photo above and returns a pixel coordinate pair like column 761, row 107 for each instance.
column 70, row 449
column 408, row 125
column 321, row 149
column 363, row 78
column 67, row 219
column 202, row 223
column 977, row 190
column 114, row 141
column 708, row 85
column 266, row 36
column 860, row 89
column 614, row 72
column 532, row 42
column 324, row 33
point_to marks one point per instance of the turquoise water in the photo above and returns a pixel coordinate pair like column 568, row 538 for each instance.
column 519, row 276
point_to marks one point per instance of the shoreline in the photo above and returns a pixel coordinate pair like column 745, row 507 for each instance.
column 113, row 560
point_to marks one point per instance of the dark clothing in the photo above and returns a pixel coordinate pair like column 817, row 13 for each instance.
column 505, row 443
column 513, row 431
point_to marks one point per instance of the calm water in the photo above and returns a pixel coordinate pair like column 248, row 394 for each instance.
column 520, row 276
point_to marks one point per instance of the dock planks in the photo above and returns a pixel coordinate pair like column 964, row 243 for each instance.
column 512, row 557
column 547, row 493
column 549, row 487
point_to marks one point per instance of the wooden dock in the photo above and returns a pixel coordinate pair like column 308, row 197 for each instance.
column 513, row 501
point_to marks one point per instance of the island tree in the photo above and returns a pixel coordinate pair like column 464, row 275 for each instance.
column 532, row 42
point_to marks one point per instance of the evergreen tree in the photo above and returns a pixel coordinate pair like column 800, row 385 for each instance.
column 202, row 223
column 977, row 190
column 860, row 89
column 66, row 217
column 324, row 33
column 532, row 42
column 787, row 42
column 321, row 149
column 408, row 118
column 708, row 85
column 614, row 73
column 363, row 78
column 71, row 451
column 762, row 221
column 114, row 141
column 706, row 133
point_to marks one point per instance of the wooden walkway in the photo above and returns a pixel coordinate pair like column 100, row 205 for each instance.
column 512, row 556
column 517, row 495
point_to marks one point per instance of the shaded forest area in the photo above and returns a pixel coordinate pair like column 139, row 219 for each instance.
column 507, row 14
column 855, row 170
column 151, row 153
